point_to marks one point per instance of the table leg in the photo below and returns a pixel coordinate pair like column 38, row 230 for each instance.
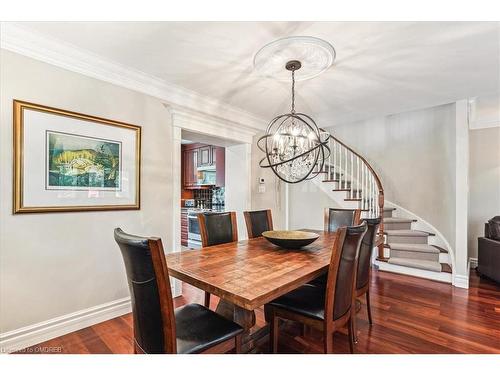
column 245, row 318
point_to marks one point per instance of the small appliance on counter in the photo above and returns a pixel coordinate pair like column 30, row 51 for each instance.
column 189, row 202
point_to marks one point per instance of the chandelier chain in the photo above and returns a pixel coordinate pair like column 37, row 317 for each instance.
column 293, row 91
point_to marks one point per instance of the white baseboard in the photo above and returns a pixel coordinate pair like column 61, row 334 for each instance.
column 36, row 333
column 431, row 275
column 461, row 281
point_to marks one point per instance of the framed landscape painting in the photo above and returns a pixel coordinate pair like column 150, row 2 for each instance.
column 67, row 161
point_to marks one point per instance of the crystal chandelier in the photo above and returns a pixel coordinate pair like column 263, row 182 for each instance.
column 295, row 147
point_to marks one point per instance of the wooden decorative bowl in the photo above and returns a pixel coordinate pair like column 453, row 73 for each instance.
column 290, row 239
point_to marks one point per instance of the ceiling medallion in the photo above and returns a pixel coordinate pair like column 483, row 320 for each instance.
column 295, row 147
column 316, row 56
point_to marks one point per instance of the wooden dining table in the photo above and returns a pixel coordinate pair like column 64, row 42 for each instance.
column 247, row 274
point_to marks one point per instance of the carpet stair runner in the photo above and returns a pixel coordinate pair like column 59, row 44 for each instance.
column 409, row 247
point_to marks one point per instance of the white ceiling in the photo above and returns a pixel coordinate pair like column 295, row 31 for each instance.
column 381, row 67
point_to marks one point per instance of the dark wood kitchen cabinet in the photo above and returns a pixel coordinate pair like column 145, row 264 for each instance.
column 196, row 155
column 219, row 160
column 205, row 156
column 189, row 167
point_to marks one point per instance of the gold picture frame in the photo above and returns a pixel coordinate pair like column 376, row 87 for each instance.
column 131, row 195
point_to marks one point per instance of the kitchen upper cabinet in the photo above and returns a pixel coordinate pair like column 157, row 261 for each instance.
column 219, row 159
column 200, row 155
column 189, row 167
column 205, row 156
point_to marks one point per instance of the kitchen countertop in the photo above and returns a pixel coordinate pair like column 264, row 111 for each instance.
column 198, row 210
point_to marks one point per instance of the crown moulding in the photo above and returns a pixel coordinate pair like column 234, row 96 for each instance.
column 18, row 39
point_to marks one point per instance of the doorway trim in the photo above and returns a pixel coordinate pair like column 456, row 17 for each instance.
column 184, row 119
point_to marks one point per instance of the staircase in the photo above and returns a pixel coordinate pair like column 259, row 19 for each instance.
column 407, row 247
column 402, row 248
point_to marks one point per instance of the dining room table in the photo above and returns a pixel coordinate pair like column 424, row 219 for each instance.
column 247, row 274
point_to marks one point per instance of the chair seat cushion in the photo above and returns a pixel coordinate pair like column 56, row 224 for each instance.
column 307, row 300
column 320, row 281
column 198, row 328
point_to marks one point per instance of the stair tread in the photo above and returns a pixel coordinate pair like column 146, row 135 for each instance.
column 389, row 208
column 407, row 233
column 419, row 248
column 429, row 265
column 441, row 250
column 391, row 220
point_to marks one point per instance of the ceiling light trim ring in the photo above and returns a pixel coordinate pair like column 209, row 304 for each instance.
column 315, row 54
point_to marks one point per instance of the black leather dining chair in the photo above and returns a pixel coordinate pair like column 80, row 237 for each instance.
column 258, row 222
column 217, row 228
column 335, row 218
column 364, row 267
column 158, row 327
column 326, row 308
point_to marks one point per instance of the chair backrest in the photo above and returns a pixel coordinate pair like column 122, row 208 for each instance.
column 258, row 222
column 217, row 228
column 148, row 281
column 342, row 271
column 336, row 218
column 365, row 252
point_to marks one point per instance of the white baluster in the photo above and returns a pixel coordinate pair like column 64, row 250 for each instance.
column 366, row 189
column 370, row 193
column 340, row 167
column 342, row 178
column 373, row 196
column 358, row 195
column 329, row 161
column 352, row 174
column 334, row 159
column 363, row 205
column 345, row 169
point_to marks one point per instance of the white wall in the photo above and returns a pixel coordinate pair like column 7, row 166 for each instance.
column 59, row 263
column 274, row 196
column 238, row 197
column 307, row 202
column 484, row 111
column 484, row 182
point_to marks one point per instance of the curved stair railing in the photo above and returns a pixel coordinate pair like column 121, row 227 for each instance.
column 352, row 173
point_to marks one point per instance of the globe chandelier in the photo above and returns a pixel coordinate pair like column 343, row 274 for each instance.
column 295, row 147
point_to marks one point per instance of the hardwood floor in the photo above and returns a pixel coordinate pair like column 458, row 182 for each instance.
column 411, row 315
